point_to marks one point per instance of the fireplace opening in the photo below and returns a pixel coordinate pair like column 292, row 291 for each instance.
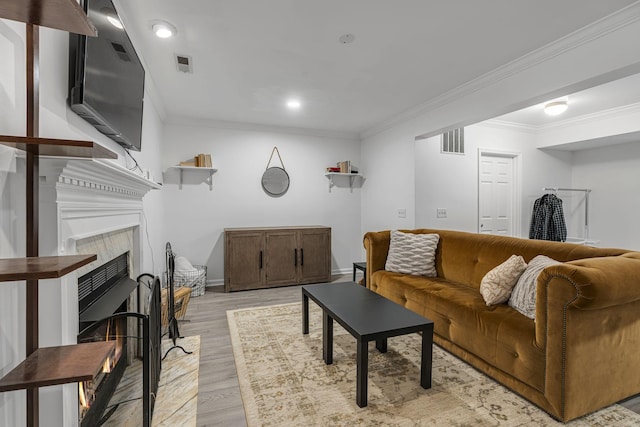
column 102, row 293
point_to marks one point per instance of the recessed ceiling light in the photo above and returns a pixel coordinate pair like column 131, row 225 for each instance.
column 555, row 108
column 346, row 38
column 163, row 29
column 294, row 104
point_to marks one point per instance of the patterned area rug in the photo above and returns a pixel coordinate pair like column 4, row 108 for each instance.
column 284, row 381
column 177, row 401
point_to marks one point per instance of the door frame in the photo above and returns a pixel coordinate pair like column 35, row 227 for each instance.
column 516, row 201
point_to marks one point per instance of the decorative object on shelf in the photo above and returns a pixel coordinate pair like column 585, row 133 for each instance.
column 275, row 180
column 199, row 161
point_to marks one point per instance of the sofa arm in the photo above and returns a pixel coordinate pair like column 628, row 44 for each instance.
column 599, row 282
column 587, row 324
column 376, row 243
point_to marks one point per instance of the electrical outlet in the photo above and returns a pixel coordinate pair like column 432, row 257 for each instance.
column 402, row 213
column 441, row 213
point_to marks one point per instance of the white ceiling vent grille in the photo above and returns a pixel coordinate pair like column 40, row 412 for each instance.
column 183, row 62
column 453, row 141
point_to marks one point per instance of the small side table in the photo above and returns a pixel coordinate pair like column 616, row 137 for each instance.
column 362, row 266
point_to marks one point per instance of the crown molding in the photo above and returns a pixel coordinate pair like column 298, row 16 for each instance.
column 257, row 127
column 590, row 32
column 504, row 124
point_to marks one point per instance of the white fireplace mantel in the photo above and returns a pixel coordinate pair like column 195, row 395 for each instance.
column 79, row 199
column 97, row 176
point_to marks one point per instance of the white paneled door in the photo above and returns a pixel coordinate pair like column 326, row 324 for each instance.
column 496, row 191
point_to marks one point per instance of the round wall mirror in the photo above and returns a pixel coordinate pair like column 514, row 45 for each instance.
column 275, row 181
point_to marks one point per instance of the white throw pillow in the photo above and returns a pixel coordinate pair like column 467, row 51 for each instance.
column 412, row 253
column 523, row 297
column 182, row 264
column 497, row 284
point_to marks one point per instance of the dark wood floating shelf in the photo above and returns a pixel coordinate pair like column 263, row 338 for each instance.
column 35, row 268
column 66, row 15
column 59, row 147
column 58, row 365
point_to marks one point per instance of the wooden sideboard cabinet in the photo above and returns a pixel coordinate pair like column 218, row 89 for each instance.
column 257, row 258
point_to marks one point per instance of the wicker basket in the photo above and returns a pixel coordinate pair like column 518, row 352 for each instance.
column 195, row 279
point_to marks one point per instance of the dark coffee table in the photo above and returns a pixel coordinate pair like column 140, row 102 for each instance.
column 367, row 316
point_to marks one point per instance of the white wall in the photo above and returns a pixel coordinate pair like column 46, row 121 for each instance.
column 56, row 121
column 451, row 181
column 196, row 216
column 613, row 174
column 388, row 159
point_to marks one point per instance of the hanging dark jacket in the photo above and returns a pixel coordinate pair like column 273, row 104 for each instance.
column 547, row 220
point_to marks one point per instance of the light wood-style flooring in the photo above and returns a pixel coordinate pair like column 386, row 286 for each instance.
column 219, row 400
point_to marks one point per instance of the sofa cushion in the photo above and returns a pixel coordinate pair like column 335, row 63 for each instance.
column 497, row 334
column 497, row 284
column 412, row 254
column 523, row 296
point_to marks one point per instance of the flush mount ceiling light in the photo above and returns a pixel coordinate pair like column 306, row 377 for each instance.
column 294, row 104
column 163, row 29
column 555, row 108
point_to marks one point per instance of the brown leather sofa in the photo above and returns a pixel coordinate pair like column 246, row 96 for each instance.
column 579, row 355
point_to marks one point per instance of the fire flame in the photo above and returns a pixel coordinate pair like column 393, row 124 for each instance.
column 82, row 395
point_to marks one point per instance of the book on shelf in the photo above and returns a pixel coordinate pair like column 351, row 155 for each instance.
column 200, row 161
column 332, row 169
column 345, row 167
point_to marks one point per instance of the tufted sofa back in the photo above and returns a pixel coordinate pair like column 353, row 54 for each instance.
column 465, row 258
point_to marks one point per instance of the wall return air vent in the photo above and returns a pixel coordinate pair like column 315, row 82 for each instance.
column 183, row 62
column 453, row 142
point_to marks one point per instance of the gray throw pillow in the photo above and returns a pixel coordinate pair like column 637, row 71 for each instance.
column 411, row 253
column 523, row 297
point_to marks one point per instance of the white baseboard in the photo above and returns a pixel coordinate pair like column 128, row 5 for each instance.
column 339, row 271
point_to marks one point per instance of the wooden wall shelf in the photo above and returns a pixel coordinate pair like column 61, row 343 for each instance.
column 66, row 15
column 35, row 268
column 58, row 365
column 59, row 147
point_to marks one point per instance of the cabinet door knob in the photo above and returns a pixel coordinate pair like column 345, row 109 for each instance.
column 301, row 256
column 295, row 257
column 260, row 259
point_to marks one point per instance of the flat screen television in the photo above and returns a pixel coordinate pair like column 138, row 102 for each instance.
column 106, row 77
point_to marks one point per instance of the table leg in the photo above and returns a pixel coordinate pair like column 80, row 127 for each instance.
column 362, row 373
column 381, row 345
column 354, row 273
column 305, row 313
column 327, row 338
column 427, row 357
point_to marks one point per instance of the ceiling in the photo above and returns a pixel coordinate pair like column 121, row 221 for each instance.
column 250, row 56
column 608, row 96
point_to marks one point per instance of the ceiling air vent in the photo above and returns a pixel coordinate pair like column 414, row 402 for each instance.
column 453, row 141
column 184, row 63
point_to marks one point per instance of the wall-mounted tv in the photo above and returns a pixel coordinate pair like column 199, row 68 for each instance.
column 106, row 77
